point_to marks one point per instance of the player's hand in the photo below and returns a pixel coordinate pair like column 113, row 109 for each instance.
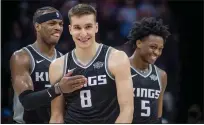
column 70, row 83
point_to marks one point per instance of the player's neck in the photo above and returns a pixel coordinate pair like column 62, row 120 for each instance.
column 137, row 62
column 86, row 55
column 48, row 50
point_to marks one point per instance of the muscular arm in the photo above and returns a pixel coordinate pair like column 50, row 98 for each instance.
column 57, row 104
column 163, row 80
column 22, row 82
column 19, row 66
column 121, row 71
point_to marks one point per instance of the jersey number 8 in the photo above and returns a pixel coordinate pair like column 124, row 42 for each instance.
column 85, row 96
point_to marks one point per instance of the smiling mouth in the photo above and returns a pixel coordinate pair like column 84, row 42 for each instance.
column 153, row 57
column 84, row 40
column 56, row 34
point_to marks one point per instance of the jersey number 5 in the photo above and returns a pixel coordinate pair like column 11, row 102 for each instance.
column 145, row 107
column 85, row 96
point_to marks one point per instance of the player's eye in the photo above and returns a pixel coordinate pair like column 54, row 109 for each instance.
column 88, row 27
column 61, row 24
column 77, row 28
column 51, row 23
column 153, row 47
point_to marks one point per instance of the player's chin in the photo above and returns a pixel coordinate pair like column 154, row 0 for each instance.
column 54, row 42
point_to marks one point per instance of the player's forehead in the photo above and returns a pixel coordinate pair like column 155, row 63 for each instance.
column 83, row 20
column 154, row 39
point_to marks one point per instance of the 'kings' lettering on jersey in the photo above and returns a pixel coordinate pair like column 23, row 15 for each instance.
column 96, row 80
column 146, row 93
column 41, row 76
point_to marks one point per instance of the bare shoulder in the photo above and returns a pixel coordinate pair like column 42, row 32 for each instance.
column 161, row 72
column 163, row 76
column 118, row 57
column 56, row 69
column 58, row 62
column 19, row 58
column 118, row 60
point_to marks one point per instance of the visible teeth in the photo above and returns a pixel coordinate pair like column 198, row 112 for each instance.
column 84, row 40
column 154, row 57
column 56, row 34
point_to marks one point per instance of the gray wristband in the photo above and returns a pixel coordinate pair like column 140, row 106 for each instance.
column 59, row 88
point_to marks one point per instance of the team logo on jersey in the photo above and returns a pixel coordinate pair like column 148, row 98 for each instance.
column 39, row 61
column 134, row 75
column 41, row 76
column 98, row 65
column 146, row 93
column 96, row 80
column 69, row 70
column 153, row 77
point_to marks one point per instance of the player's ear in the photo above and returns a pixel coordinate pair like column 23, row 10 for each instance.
column 138, row 43
column 37, row 27
column 70, row 29
column 96, row 27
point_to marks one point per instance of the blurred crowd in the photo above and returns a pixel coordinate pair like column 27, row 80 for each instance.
column 115, row 18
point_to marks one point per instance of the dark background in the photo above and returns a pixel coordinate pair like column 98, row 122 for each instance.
column 187, row 24
column 189, row 16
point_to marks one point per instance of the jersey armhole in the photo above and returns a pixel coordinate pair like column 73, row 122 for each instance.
column 65, row 64
column 159, row 76
column 32, row 62
column 60, row 54
column 106, row 64
column 64, row 67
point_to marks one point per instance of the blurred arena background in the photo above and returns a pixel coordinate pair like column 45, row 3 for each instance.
column 181, row 58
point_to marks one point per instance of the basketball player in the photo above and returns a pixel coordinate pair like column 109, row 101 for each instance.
column 29, row 70
column 149, row 82
column 108, row 95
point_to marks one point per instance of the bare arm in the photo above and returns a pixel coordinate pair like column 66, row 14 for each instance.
column 19, row 66
column 163, row 80
column 57, row 104
column 121, row 71
column 23, row 85
column 67, row 83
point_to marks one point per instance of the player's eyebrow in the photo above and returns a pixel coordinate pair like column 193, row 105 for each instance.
column 88, row 24
column 76, row 25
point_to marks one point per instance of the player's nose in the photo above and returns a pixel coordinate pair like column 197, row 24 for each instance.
column 83, row 33
column 156, row 52
column 58, row 27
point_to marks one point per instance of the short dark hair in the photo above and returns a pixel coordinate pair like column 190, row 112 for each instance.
column 43, row 10
column 146, row 27
column 82, row 9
